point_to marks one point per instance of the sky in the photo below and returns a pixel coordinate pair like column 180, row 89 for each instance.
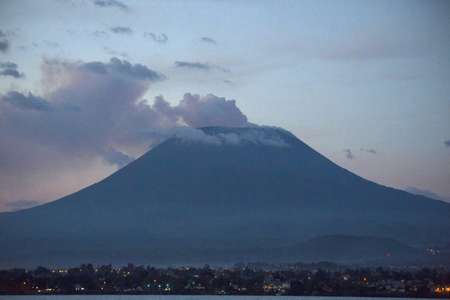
column 87, row 86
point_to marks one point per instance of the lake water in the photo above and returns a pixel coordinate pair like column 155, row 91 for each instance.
column 131, row 297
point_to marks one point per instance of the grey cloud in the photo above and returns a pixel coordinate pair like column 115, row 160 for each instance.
column 20, row 204
column 116, row 65
column 91, row 120
column 189, row 135
column 26, row 102
column 210, row 110
column 447, row 143
column 11, row 72
column 349, row 154
column 158, row 38
column 111, row 3
column 254, row 137
column 8, row 65
column 4, row 45
column 192, row 65
column 372, row 151
column 10, row 69
column 8, row 33
column 208, row 40
column 198, row 66
column 117, row 158
column 121, row 30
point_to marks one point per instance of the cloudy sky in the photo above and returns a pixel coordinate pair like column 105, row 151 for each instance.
column 86, row 86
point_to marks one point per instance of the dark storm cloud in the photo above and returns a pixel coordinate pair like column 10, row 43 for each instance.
column 447, row 143
column 121, row 30
column 349, row 154
column 10, row 69
column 111, row 3
column 198, row 66
column 157, row 38
column 208, row 40
column 90, row 121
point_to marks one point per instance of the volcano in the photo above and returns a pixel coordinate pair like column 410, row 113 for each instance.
column 225, row 195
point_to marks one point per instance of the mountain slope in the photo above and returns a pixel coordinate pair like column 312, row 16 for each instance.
column 355, row 249
column 225, row 188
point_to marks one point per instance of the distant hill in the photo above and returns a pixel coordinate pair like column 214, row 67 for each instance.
column 223, row 194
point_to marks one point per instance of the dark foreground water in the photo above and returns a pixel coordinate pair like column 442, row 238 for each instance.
column 127, row 297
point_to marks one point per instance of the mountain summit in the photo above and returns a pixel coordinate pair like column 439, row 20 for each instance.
column 219, row 195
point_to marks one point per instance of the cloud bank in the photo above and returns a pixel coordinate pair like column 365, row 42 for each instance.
column 90, row 120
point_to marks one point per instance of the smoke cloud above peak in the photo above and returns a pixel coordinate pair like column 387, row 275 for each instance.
column 90, row 120
column 210, row 110
column 258, row 135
